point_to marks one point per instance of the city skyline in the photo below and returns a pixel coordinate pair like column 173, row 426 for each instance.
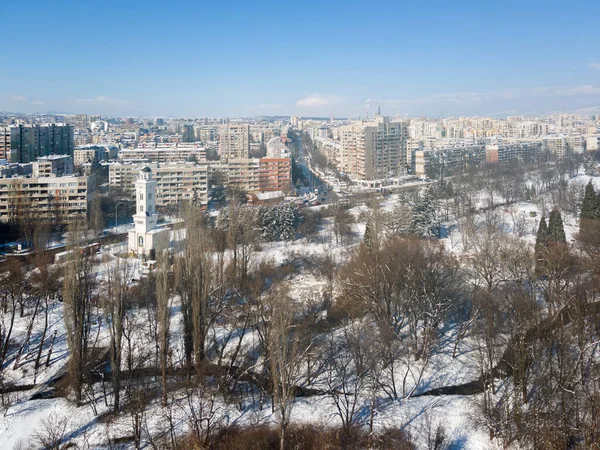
column 266, row 59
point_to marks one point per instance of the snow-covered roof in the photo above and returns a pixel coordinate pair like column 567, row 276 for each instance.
column 269, row 195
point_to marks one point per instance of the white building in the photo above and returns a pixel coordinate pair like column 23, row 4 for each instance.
column 146, row 237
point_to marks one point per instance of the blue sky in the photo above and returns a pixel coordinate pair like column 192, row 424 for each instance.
column 244, row 58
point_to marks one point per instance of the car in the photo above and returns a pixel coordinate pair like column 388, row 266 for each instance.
column 316, row 203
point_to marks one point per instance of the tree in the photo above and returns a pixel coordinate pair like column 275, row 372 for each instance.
column 78, row 285
column 542, row 236
column 556, row 230
column 341, row 223
column 284, row 360
column 163, row 319
column 424, row 216
column 373, row 230
column 589, row 220
column 116, row 296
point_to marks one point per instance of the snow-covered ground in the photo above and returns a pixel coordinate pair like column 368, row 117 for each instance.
column 24, row 417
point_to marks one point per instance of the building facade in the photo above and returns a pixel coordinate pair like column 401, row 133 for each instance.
column 165, row 154
column 176, row 182
column 234, row 141
column 56, row 198
column 26, row 143
column 146, row 237
column 373, row 150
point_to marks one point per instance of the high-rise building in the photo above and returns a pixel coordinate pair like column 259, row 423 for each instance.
column 375, row 149
column 234, row 141
column 187, row 133
column 26, row 143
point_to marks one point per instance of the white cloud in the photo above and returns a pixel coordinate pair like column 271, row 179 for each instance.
column 595, row 66
column 18, row 98
column 38, row 102
column 103, row 100
column 319, row 100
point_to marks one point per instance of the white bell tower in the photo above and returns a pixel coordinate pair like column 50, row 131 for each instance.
column 145, row 216
column 146, row 235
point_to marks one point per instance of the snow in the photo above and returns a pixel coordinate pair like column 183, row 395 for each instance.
column 24, row 417
column 269, row 195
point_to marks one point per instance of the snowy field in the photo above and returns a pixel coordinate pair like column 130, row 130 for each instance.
column 24, row 417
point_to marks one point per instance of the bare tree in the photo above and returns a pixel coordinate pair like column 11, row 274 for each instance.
column 284, row 361
column 117, row 294
column 164, row 318
column 78, row 285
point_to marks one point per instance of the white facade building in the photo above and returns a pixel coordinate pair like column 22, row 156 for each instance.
column 145, row 236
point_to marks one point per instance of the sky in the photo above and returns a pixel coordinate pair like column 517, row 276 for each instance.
column 308, row 58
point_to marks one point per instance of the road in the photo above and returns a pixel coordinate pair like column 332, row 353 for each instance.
column 315, row 182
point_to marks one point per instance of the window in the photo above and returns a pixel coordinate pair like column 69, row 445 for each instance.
column 141, row 196
column 140, row 241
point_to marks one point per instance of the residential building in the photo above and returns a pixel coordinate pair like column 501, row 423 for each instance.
column 234, row 141
column 57, row 198
column 52, row 166
column 176, row 182
column 555, row 145
column 375, row 149
column 28, row 142
column 260, row 174
column 165, row 154
column 440, row 163
column 513, row 151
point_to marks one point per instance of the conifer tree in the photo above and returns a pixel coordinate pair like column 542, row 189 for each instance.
column 424, row 217
column 556, row 230
column 542, row 235
column 590, row 206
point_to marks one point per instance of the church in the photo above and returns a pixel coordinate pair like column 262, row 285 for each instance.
column 146, row 237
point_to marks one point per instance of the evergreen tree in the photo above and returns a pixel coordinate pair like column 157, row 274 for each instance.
column 590, row 206
column 542, row 233
column 541, row 239
column 556, row 230
column 424, row 218
column 541, row 244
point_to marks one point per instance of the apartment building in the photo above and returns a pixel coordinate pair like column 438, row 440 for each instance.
column 373, row 150
column 87, row 155
column 52, row 166
column 513, row 151
column 275, row 174
column 555, row 145
column 234, row 141
column 165, row 154
column 25, row 143
column 176, row 182
column 437, row 163
column 47, row 192
column 244, row 174
column 331, row 148
column 260, row 174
